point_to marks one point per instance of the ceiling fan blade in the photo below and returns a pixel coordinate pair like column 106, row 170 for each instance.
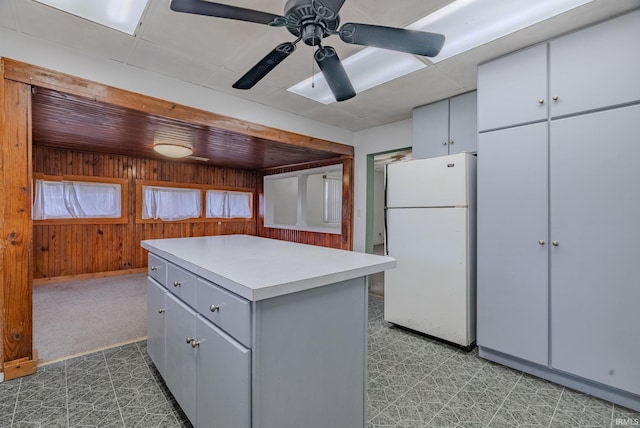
column 201, row 7
column 396, row 39
column 327, row 9
column 266, row 64
column 334, row 73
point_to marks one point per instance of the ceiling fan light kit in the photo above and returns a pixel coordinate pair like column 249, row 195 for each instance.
column 311, row 21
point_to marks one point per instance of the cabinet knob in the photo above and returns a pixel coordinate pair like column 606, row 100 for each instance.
column 214, row 308
column 541, row 242
column 444, row 143
column 541, row 101
column 450, row 141
column 189, row 340
column 555, row 98
column 177, row 283
column 195, row 344
column 154, row 268
column 555, row 243
column 161, row 311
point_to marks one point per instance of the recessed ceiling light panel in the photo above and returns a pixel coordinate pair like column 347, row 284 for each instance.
column 121, row 15
column 366, row 69
column 468, row 24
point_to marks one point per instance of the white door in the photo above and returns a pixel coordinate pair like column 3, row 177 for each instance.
column 432, row 182
column 428, row 291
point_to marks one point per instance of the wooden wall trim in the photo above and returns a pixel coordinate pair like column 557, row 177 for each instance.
column 17, row 227
column 42, row 77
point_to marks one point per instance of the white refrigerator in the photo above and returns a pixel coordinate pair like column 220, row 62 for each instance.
column 430, row 229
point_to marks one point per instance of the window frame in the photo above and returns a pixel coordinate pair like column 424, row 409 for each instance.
column 124, row 199
column 203, row 198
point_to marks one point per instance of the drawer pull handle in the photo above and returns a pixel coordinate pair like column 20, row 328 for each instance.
column 540, row 101
column 214, row 308
column 161, row 311
column 195, row 344
column 154, row 268
column 189, row 340
column 177, row 283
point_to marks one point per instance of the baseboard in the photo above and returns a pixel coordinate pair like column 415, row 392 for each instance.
column 58, row 279
column 599, row 390
column 1, row 377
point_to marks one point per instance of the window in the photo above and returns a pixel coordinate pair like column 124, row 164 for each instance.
column 308, row 199
column 224, row 204
column 170, row 203
column 79, row 199
column 160, row 201
column 332, row 199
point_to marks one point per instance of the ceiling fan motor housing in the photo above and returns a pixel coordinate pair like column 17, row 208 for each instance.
column 303, row 21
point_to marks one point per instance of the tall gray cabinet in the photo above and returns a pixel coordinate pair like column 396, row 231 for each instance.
column 558, row 207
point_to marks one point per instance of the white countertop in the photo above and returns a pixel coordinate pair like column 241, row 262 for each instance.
column 260, row 268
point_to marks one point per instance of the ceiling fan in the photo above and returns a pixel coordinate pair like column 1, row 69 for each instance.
column 311, row 21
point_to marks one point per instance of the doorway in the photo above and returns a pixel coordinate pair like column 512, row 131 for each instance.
column 375, row 221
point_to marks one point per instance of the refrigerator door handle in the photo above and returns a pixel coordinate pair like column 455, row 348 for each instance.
column 386, row 230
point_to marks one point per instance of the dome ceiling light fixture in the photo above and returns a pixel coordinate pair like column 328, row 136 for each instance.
column 172, row 149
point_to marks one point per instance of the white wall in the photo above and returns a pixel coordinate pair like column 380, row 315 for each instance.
column 375, row 140
column 38, row 52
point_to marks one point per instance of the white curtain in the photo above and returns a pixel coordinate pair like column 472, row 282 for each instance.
column 222, row 204
column 76, row 199
column 332, row 200
column 170, row 203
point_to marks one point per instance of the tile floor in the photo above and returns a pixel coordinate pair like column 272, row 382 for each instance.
column 413, row 382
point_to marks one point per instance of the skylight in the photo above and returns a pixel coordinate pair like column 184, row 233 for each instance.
column 466, row 25
column 121, row 15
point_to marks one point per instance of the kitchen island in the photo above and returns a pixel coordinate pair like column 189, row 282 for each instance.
column 250, row 332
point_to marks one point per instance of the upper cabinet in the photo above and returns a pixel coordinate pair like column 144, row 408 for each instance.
column 591, row 69
column 596, row 67
column 514, row 89
column 445, row 127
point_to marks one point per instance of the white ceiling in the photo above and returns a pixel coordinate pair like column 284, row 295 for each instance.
column 214, row 52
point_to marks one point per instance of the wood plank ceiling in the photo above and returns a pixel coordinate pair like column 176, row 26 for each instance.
column 72, row 122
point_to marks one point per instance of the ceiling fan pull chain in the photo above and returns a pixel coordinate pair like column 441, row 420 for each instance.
column 313, row 69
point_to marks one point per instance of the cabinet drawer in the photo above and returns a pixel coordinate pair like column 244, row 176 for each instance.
column 157, row 269
column 226, row 310
column 182, row 284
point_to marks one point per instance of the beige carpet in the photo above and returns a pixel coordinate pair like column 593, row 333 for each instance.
column 74, row 318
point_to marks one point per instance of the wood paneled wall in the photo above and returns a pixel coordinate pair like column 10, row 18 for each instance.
column 343, row 241
column 70, row 250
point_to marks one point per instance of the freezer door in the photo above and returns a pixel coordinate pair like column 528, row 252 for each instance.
column 429, row 290
column 433, row 182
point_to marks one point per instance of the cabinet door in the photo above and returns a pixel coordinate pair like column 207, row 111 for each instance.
column 155, row 323
column 512, row 90
column 595, row 292
column 596, row 67
column 463, row 123
column 180, row 361
column 224, row 379
column 512, row 264
column 431, row 130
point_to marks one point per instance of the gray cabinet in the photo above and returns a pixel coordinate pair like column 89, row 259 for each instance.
column 595, row 208
column 512, row 265
column 156, row 308
column 445, row 127
column 514, row 89
column 557, row 227
column 180, row 361
column 223, row 367
column 596, row 67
